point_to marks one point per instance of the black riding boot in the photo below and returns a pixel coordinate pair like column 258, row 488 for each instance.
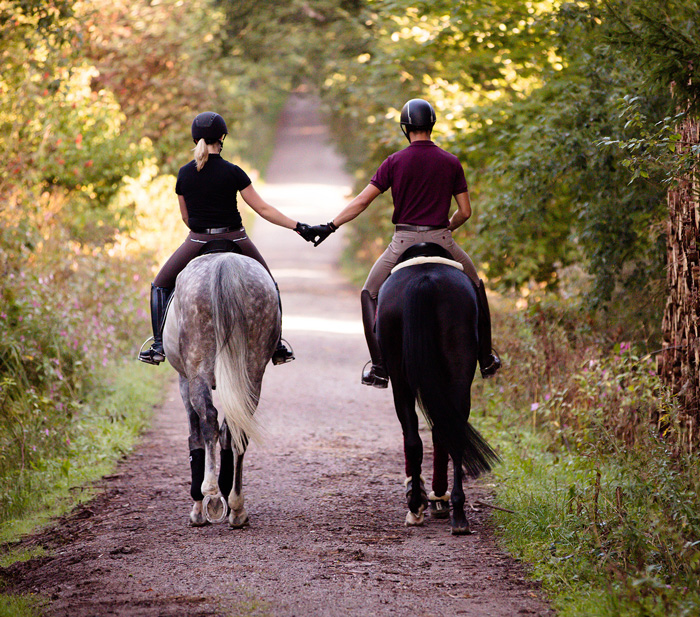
column 159, row 304
column 282, row 353
column 376, row 375
column 488, row 359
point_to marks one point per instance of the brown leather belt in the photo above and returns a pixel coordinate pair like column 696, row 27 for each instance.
column 418, row 227
column 212, row 231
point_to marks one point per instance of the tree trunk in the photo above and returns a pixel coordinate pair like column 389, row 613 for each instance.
column 679, row 363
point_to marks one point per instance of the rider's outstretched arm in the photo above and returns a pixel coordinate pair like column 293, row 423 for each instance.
column 357, row 206
column 264, row 209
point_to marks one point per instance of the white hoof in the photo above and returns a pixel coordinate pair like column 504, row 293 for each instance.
column 238, row 518
column 197, row 517
column 215, row 508
column 415, row 520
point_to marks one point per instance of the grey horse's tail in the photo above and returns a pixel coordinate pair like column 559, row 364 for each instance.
column 237, row 395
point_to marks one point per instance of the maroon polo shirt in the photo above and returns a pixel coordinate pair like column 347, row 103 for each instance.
column 423, row 179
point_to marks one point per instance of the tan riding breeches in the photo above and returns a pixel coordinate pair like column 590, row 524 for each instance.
column 401, row 241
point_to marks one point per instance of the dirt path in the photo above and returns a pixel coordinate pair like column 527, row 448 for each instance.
column 325, row 494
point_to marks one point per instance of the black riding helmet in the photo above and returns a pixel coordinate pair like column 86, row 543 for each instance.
column 209, row 126
column 417, row 115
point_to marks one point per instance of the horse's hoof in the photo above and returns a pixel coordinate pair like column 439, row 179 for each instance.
column 415, row 520
column 238, row 519
column 197, row 517
column 215, row 508
column 461, row 529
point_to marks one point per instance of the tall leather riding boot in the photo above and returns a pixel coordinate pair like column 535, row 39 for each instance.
column 376, row 376
column 282, row 353
column 159, row 305
column 488, row 359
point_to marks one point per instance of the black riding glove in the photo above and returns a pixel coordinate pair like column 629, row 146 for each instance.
column 305, row 231
column 321, row 232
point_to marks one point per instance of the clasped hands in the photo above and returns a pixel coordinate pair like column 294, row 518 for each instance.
column 315, row 233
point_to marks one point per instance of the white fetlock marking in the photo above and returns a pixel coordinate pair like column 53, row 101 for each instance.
column 415, row 520
column 445, row 497
column 197, row 517
column 235, row 502
column 238, row 518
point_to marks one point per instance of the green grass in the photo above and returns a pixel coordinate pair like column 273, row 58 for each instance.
column 606, row 510
column 21, row 606
column 106, row 428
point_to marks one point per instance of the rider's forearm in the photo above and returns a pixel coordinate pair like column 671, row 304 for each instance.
column 348, row 213
column 264, row 209
column 357, row 206
column 458, row 219
column 273, row 215
column 464, row 211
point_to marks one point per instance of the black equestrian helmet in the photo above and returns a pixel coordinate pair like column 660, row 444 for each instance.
column 209, row 126
column 417, row 115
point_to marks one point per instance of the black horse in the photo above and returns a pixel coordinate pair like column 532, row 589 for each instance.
column 427, row 330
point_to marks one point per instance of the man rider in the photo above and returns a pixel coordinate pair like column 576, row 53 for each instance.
column 423, row 178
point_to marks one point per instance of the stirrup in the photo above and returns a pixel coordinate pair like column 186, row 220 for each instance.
column 283, row 354
column 150, row 356
column 493, row 367
column 371, row 378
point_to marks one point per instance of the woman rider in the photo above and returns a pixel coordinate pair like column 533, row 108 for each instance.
column 423, row 179
column 206, row 189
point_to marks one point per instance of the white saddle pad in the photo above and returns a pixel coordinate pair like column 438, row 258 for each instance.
column 428, row 260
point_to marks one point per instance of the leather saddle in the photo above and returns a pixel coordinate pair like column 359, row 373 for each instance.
column 221, row 245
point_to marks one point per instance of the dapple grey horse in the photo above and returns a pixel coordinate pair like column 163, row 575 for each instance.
column 221, row 330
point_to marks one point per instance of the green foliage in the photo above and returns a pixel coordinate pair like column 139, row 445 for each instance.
column 597, row 467
column 21, row 606
column 105, row 427
column 662, row 36
column 58, row 135
column 525, row 95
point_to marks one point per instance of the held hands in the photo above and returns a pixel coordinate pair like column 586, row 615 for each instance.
column 321, row 232
column 305, row 231
column 315, row 233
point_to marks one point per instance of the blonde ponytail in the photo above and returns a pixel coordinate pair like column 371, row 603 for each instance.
column 201, row 154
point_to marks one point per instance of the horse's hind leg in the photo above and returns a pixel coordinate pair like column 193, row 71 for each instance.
column 458, row 519
column 231, row 478
column 416, row 497
column 197, row 457
column 204, row 433
column 439, row 497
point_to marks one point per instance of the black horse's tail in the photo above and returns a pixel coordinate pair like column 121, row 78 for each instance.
column 426, row 369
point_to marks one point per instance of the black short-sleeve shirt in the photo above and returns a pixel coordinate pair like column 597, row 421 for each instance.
column 210, row 194
column 423, row 179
